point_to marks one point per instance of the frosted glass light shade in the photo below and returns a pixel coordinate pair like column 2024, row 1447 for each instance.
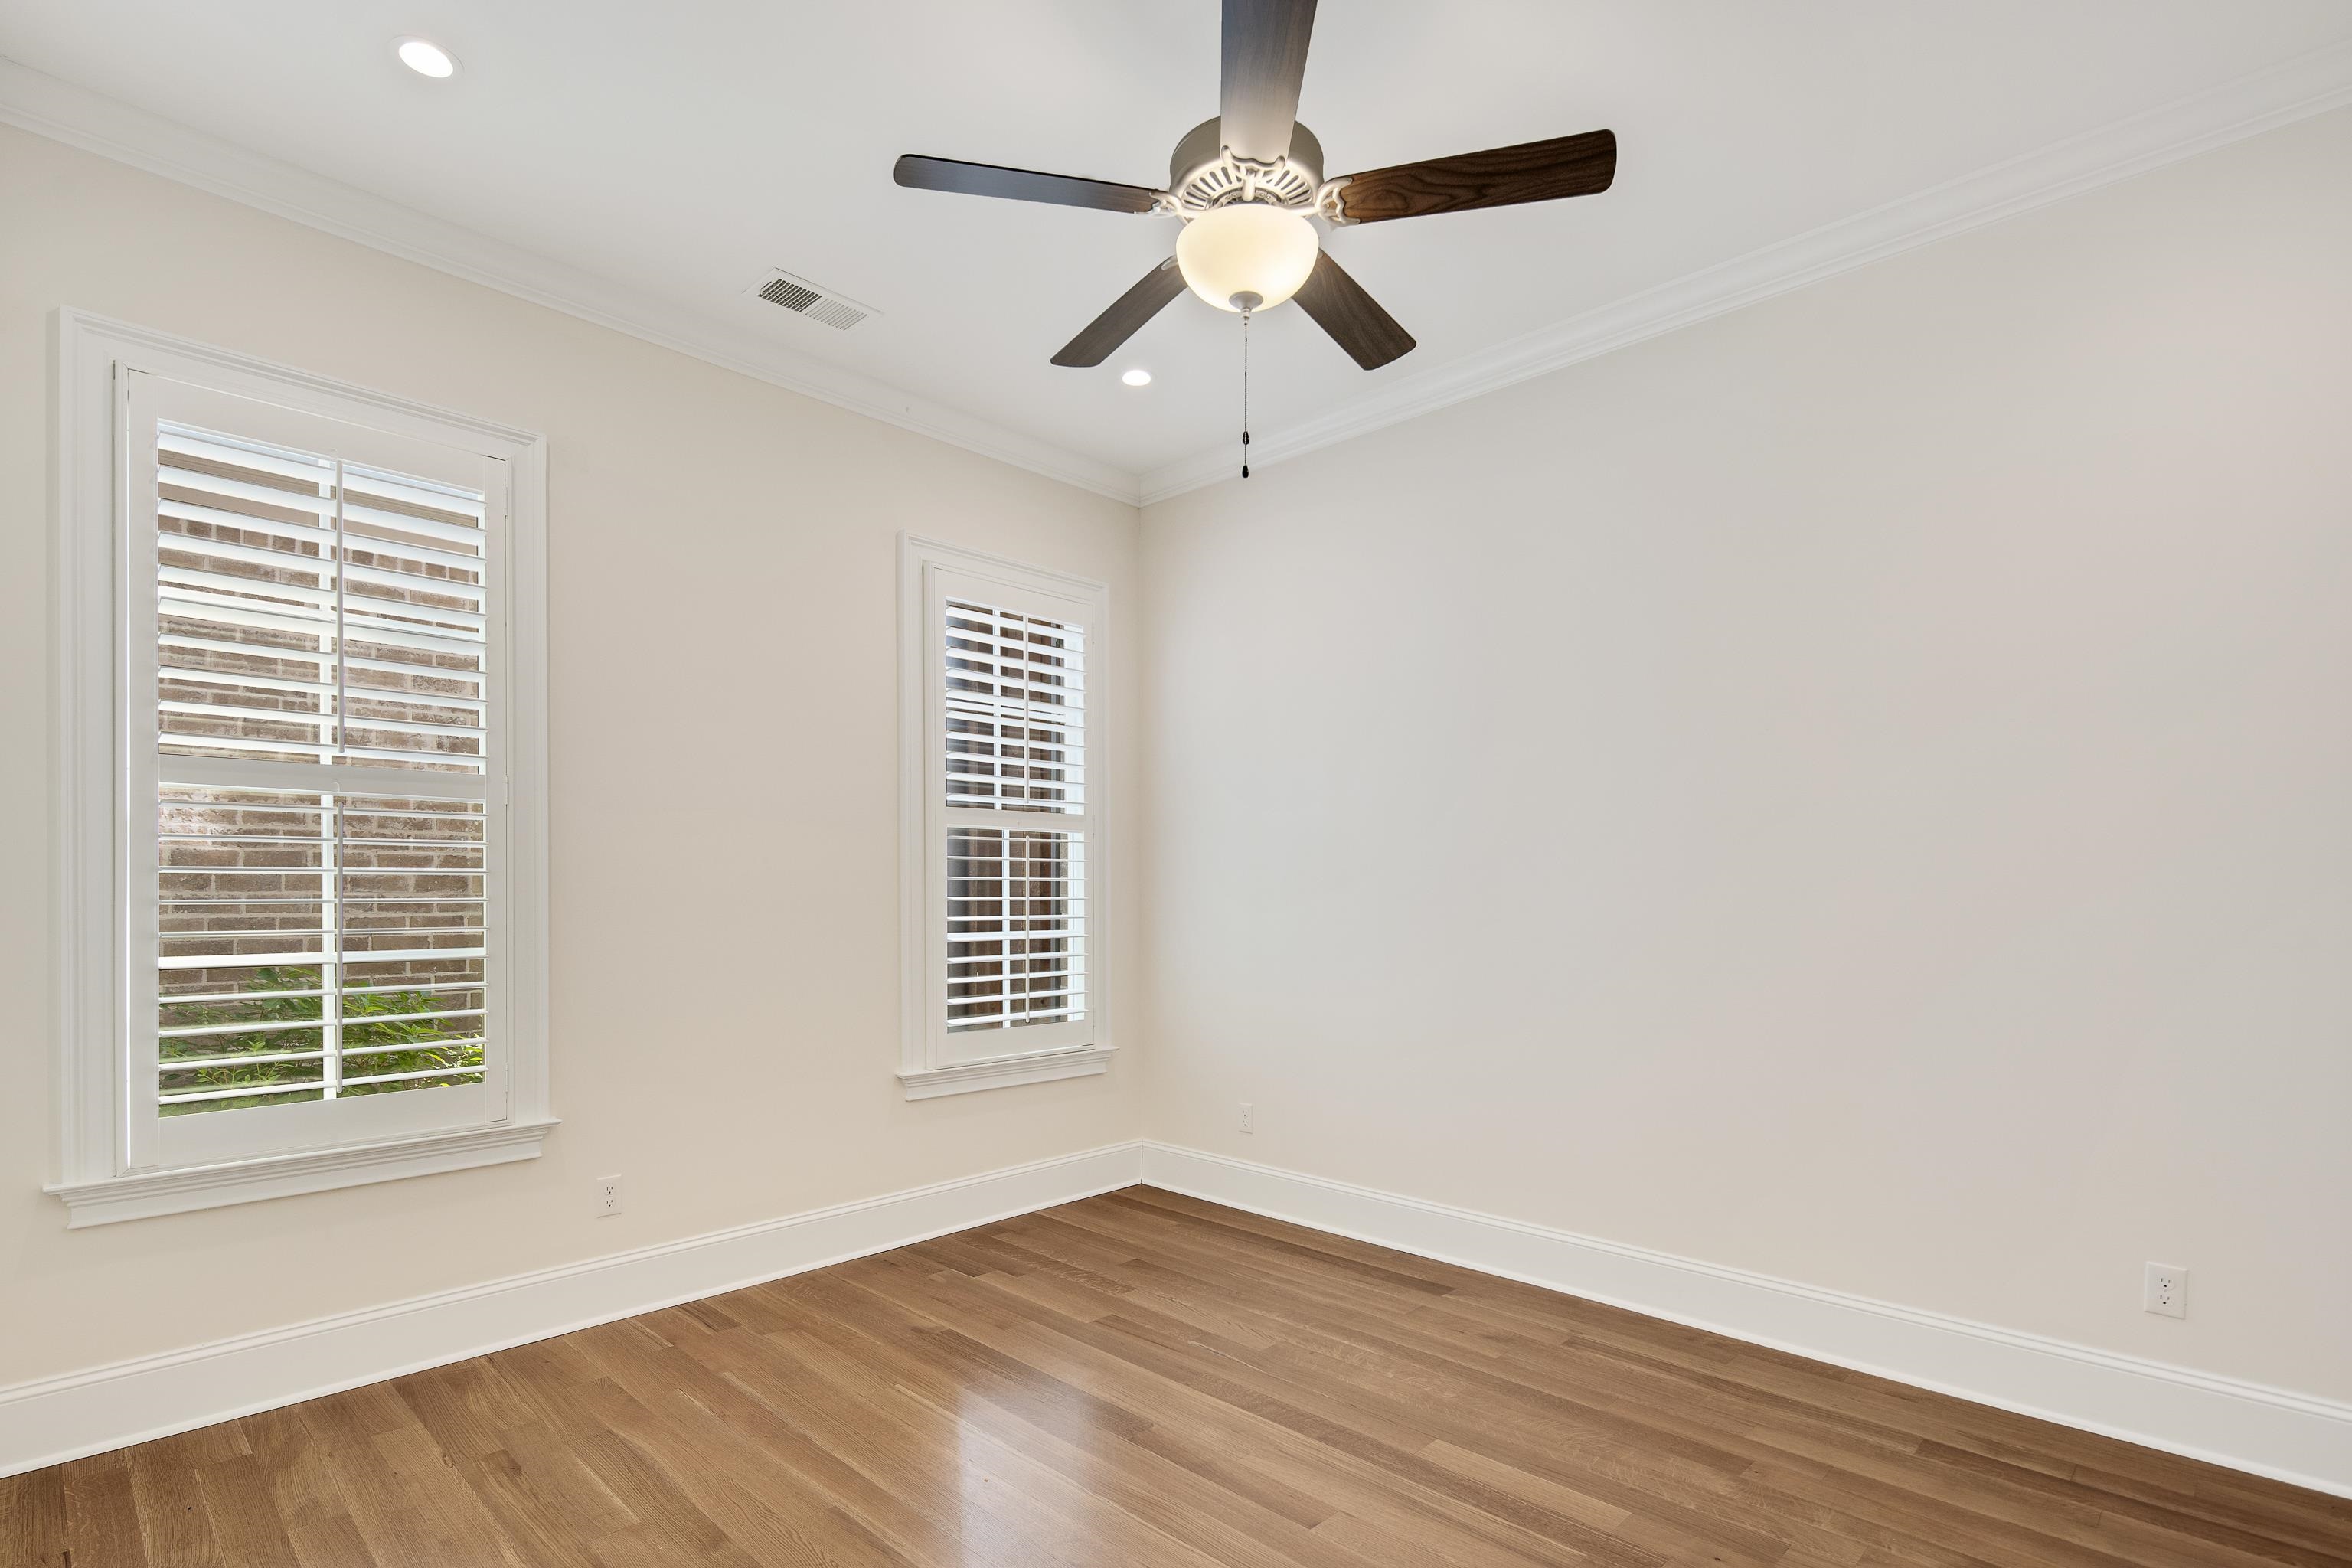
column 1247, row 249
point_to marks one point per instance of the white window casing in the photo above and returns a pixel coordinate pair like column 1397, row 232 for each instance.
column 302, row 769
column 1003, row 867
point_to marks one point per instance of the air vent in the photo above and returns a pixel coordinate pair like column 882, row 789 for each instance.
column 803, row 298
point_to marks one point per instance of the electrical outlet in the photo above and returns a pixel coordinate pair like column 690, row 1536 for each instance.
column 2166, row 1291
column 1249, row 1117
column 608, row 1195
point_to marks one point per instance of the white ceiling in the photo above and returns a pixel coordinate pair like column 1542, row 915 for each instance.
column 679, row 150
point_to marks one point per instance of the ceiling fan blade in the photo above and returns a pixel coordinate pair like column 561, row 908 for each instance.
column 1264, row 60
column 919, row 173
column 1499, row 177
column 1126, row 316
column 1353, row 318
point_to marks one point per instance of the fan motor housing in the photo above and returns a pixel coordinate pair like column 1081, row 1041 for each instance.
column 1204, row 174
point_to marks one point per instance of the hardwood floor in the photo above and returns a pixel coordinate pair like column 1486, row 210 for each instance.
column 1144, row 1379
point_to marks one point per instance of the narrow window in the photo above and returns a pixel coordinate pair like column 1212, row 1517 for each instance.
column 1005, row 980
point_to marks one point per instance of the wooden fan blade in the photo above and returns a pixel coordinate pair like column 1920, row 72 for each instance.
column 1264, row 60
column 1499, row 177
column 919, row 173
column 1353, row 318
column 1126, row 316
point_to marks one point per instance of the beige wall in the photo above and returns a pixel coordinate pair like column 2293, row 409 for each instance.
column 1859, row 790
column 1854, row 790
column 725, row 798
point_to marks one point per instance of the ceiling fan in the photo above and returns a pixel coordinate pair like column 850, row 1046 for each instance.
column 1246, row 183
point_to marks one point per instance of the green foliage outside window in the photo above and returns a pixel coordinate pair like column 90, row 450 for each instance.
column 430, row 1047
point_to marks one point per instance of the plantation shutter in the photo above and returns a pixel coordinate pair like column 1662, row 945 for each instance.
column 370, row 589
column 321, row 784
column 1013, row 714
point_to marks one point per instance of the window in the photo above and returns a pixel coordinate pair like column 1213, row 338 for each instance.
column 1002, row 759
column 321, row 706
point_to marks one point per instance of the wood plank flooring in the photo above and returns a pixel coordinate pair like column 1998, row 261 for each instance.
column 1144, row 1379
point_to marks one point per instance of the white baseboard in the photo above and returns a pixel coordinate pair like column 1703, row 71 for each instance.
column 61, row 1419
column 2292, row 1437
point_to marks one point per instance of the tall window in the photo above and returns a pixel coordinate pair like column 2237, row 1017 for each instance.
column 1002, row 846
column 320, row 894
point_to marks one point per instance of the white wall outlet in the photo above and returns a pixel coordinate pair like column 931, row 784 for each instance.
column 2166, row 1291
column 608, row 1195
column 1249, row 1117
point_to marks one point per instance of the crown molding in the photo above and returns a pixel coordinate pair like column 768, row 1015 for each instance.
column 2309, row 84
column 46, row 106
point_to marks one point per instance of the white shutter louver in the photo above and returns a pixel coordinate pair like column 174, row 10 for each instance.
column 316, row 611
column 1014, row 717
column 318, row 936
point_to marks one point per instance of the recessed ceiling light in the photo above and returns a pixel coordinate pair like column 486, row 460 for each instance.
column 426, row 58
column 1138, row 377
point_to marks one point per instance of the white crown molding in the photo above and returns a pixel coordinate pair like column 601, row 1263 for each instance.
column 2294, row 1438
column 58, row 109
column 60, row 1418
column 2262, row 100
column 2309, row 84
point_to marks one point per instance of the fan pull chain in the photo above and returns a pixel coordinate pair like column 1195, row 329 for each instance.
column 1246, row 316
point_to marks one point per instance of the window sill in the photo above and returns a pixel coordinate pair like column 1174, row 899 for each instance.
column 969, row 1077
column 147, row 1192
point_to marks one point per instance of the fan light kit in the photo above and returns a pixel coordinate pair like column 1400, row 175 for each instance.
column 1247, row 252
column 1249, row 187
column 426, row 58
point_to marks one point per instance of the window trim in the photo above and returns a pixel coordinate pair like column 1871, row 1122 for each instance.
column 89, row 1167
column 922, row 1070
